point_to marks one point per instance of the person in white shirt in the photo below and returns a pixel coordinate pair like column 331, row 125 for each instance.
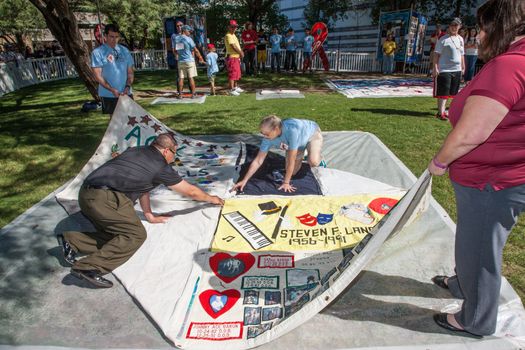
column 448, row 66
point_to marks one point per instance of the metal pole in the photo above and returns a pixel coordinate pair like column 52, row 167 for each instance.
column 98, row 14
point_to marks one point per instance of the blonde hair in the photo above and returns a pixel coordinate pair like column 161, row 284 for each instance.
column 271, row 122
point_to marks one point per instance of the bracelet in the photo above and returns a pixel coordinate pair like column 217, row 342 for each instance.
column 438, row 164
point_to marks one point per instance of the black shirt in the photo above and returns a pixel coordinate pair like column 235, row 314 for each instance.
column 136, row 171
column 262, row 41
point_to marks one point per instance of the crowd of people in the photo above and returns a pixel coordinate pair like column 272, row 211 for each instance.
column 485, row 151
column 11, row 52
column 250, row 51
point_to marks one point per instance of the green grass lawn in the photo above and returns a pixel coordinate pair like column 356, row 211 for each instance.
column 45, row 139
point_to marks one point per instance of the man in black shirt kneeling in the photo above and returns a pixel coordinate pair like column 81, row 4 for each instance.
column 107, row 198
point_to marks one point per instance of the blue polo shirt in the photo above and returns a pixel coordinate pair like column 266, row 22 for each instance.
column 184, row 46
column 308, row 41
column 114, row 63
column 289, row 41
column 275, row 41
column 295, row 134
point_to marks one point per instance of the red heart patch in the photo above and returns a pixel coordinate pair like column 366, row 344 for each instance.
column 216, row 303
column 228, row 267
column 382, row 205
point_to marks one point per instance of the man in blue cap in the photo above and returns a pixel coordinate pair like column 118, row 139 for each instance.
column 185, row 49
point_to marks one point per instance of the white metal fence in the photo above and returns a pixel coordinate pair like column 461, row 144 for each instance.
column 17, row 74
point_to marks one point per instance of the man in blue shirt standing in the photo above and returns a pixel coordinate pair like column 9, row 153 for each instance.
column 291, row 46
column 276, row 40
column 308, row 41
column 178, row 32
column 185, row 49
column 112, row 65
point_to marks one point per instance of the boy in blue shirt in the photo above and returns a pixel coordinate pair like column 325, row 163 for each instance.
column 112, row 66
column 308, row 42
column 293, row 135
column 276, row 40
column 291, row 46
column 213, row 68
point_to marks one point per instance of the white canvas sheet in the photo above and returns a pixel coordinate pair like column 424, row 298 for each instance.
column 267, row 94
column 172, row 100
column 377, row 88
column 213, row 166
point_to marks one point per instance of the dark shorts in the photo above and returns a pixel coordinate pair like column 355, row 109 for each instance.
column 109, row 104
column 447, row 84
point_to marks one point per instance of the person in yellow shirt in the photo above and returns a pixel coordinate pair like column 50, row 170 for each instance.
column 389, row 49
column 234, row 54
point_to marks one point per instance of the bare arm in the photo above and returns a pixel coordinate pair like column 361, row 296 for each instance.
column 481, row 115
column 291, row 156
column 197, row 53
column 256, row 164
column 435, row 69
column 237, row 49
column 290, row 165
column 100, row 79
column 129, row 80
column 195, row 193
column 146, row 209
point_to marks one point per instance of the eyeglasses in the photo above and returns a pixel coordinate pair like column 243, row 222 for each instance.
column 172, row 151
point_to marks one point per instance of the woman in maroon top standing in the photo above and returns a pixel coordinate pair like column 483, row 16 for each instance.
column 485, row 153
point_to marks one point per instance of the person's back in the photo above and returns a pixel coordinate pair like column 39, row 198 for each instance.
column 137, row 170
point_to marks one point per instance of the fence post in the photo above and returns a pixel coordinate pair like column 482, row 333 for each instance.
column 337, row 60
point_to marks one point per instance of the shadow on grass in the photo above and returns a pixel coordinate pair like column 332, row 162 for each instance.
column 394, row 112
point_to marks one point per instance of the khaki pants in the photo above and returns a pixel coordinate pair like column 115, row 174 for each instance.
column 119, row 235
column 313, row 149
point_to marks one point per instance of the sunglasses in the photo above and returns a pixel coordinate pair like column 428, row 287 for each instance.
column 172, row 151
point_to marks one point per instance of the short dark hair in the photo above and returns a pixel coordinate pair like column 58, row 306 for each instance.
column 502, row 21
column 111, row 27
column 165, row 140
column 275, row 28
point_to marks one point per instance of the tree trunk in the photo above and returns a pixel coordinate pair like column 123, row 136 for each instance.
column 63, row 25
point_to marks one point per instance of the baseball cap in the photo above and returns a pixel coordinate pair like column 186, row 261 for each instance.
column 233, row 23
column 456, row 21
column 211, row 46
column 186, row 27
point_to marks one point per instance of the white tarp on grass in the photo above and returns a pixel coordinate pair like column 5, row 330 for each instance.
column 267, row 94
column 399, row 87
column 167, row 273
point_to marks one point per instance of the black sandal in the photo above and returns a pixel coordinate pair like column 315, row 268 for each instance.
column 439, row 280
column 441, row 320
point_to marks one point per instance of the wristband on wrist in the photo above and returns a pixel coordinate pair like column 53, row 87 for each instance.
column 438, row 164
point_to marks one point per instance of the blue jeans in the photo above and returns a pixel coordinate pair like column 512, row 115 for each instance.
column 276, row 60
column 388, row 64
column 470, row 62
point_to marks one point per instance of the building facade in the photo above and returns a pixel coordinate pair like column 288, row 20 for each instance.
column 356, row 33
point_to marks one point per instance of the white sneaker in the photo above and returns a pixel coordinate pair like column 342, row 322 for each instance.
column 239, row 90
column 234, row 93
